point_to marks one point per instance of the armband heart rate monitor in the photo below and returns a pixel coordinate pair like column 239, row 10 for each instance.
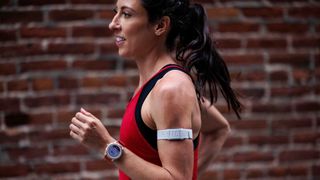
column 174, row 134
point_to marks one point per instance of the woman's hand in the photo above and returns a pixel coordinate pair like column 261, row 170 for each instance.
column 89, row 131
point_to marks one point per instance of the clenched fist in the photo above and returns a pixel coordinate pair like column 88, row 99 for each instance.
column 89, row 131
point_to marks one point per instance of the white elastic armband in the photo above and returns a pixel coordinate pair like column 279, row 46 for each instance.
column 174, row 134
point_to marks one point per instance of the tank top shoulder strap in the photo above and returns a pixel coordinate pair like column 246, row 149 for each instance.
column 149, row 134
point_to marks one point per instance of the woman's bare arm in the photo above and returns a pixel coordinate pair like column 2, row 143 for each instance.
column 214, row 132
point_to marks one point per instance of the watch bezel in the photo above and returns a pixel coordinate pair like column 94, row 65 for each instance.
column 118, row 145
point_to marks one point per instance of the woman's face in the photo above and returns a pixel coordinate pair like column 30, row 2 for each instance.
column 134, row 35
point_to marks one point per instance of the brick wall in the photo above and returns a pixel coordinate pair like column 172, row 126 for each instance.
column 57, row 56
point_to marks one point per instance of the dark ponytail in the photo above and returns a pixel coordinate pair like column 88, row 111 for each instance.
column 189, row 36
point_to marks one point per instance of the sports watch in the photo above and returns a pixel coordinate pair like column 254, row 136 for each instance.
column 114, row 151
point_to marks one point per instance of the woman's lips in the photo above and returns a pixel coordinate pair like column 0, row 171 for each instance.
column 120, row 40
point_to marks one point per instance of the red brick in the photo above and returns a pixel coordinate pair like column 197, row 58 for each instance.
column 304, row 11
column 7, row 68
column 91, row 31
column 231, row 174
column 96, row 82
column 248, row 76
column 8, row 35
column 291, row 123
column 40, row 2
column 316, row 170
column 271, row 107
column 298, row 155
column 281, row 76
column 244, row 59
column 28, row 152
column 228, row 43
column 43, row 32
column 70, row 15
column 317, row 28
column 302, row 75
column 287, row 28
column 108, row 48
column 291, row 59
column 68, row 83
column 252, row 93
column 106, row 14
column 116, row 81
column 222, row 12
column 209, row 175
column 42, row 84
column 287, row 171
column 96, row 165
column 14, row 170
column 129, row 65
column 250, row 124
column 71, row 48
column 1, row 89
column 270, row 43
column 18, row 85
column 41, row 118
column 9, row 104
column 95, row 64
column 290, row 91
column 268, row 140
column 73, row 150
column 102, row 98
column 306, row 137
column 21, row 50
column 254, row 173
column 306, row 42
column 53, row 135
column 65, row 116
column 115, row 113
column 54, row 168
column 12, row 138
column 20, row 16
column 253, row 156
column 238, row 27
column 50, row 100
column 305, row 106
column 263, row 12
column 43, row 66
column 16, row 119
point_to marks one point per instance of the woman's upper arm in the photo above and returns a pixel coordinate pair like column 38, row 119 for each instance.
column 172, row 108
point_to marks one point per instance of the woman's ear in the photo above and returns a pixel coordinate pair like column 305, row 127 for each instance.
column 162, row 26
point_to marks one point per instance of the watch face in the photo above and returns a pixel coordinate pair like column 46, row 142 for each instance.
column 114, row 151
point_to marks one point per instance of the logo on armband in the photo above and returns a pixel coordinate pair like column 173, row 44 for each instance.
column 174, row 134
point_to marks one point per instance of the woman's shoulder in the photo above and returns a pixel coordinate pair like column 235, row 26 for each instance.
column 175, row 80
column 175, row 85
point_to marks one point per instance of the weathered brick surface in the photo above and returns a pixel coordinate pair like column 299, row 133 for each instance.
column 57, row 56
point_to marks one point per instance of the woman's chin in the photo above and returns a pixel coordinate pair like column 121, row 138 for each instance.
column 124, row 54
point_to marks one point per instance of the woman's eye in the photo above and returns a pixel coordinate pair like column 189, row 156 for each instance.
column 126, row 15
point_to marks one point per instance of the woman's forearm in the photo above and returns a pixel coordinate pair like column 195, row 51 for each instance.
column 210, row 146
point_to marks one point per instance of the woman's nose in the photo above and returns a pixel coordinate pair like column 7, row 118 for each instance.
column 114, row 24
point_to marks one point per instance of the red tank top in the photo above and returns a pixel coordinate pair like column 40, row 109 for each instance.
column 137, row 136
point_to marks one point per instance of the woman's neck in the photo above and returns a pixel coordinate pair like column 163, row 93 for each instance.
column 151, row 64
